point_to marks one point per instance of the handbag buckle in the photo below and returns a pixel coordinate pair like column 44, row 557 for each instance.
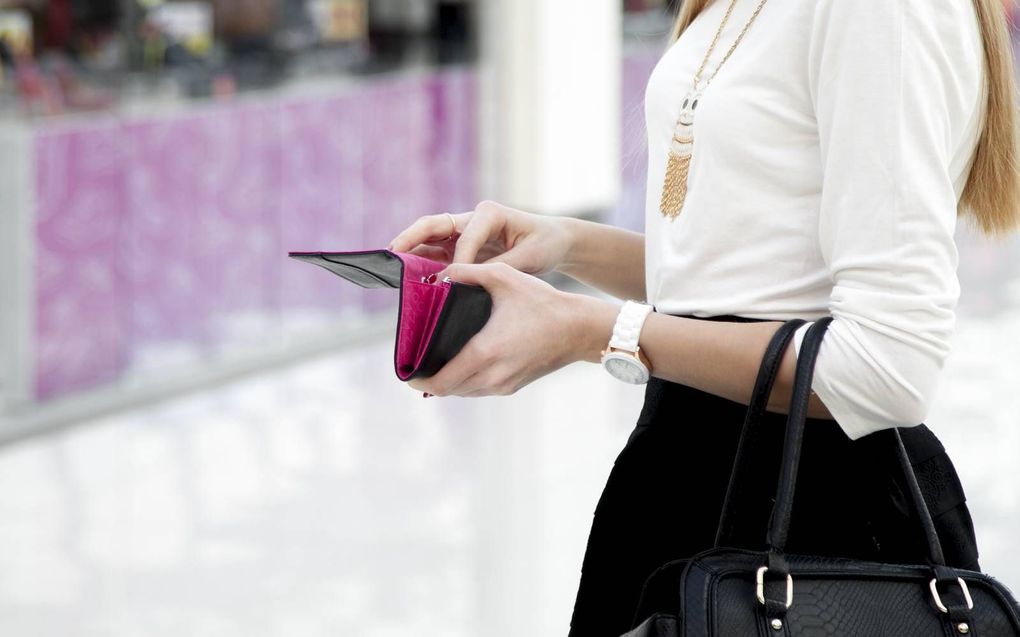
column 938, row 600
column 760, row 579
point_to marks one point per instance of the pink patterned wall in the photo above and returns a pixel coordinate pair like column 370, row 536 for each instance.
column 168, row 236
column 82, row 330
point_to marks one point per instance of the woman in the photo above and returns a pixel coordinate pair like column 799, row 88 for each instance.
column 806, row 158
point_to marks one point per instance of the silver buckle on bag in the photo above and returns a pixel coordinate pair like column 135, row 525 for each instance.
column 760, row 578
column 938, row 600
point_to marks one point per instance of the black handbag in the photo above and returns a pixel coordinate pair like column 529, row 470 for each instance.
column 735, row 592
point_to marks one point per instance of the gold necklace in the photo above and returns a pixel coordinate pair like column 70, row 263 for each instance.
column 674, row 188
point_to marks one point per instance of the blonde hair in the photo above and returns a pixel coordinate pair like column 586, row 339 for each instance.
column 991, row 197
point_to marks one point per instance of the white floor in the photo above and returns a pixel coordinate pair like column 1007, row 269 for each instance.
column 329, row 499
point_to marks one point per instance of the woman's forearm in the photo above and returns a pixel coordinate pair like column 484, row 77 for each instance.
column 606, row 258
column 718, row 357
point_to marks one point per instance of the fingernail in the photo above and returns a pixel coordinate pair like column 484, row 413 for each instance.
column 425, row 394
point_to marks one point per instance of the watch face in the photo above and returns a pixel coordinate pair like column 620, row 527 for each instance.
column 625, row 368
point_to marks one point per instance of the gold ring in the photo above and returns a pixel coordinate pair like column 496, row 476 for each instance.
column 453, row 222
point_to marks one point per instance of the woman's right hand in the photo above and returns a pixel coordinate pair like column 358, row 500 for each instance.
column 491, row 233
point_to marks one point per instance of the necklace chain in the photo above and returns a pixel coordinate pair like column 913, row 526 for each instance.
column 729, row 10
column 678, row 165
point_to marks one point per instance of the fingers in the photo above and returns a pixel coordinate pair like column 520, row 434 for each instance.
column 429, row 229
column 444, row 385
column 436, row 253
column 473, row 371
column 477, row 385
column 491, row 276
column 451, row 376
column 474, row 230
column 487, row 221
column 512, row 258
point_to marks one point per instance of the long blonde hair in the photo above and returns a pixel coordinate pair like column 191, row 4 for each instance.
column 991, row 196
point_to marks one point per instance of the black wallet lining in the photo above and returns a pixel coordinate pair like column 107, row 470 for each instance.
column 389, row 279
column 375, row 269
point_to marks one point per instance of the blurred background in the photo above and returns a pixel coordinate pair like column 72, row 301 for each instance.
column 199, row 436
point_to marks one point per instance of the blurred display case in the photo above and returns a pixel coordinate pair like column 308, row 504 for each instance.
column 153, row 177
column 71, row 56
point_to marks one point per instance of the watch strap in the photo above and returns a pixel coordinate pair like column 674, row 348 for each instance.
column 629, row 322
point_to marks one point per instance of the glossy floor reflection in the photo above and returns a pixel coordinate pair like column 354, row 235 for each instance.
column 329, row 499
column 323, row 499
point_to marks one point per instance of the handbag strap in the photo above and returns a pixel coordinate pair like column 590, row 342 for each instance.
column 779, row 524
column 750, row 433
column 931, row 536
column 956, row 613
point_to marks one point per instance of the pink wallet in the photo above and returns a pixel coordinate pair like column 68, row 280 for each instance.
column 434, row 318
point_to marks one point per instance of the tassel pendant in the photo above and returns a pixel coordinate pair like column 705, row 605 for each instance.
column 674, row 190
column 678, row 165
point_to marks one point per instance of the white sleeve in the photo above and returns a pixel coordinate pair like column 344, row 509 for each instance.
column 896, row 87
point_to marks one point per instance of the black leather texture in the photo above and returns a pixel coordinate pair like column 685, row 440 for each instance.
column 658, row 625
column 714, row 592
column 463, row 313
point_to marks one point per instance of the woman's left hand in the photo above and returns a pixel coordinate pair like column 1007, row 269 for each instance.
column 533, row 330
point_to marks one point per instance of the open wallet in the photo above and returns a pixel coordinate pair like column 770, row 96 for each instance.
column 434, row 318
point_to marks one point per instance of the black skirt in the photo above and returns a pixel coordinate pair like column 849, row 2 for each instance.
column 664, row 495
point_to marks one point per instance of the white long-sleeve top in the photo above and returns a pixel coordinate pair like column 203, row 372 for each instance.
column 829, row 155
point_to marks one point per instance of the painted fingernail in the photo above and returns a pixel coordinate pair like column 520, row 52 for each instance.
column 425, row 394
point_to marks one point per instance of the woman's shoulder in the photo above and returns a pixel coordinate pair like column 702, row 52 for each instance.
column 949, row 16
column 921, row 8
column 924, row 35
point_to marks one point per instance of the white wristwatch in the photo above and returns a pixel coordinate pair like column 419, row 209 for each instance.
column 623, row 358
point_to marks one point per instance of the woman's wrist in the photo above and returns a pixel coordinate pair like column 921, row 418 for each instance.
column 572, row 230
column 592, row 325
column 604, row 257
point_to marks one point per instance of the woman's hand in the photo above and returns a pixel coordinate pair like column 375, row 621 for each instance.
column 533, row 330
column 492, row 233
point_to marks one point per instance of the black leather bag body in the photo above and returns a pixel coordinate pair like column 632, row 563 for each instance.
column 735, row 592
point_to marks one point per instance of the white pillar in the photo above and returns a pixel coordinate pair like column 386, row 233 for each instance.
column 550, row 100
